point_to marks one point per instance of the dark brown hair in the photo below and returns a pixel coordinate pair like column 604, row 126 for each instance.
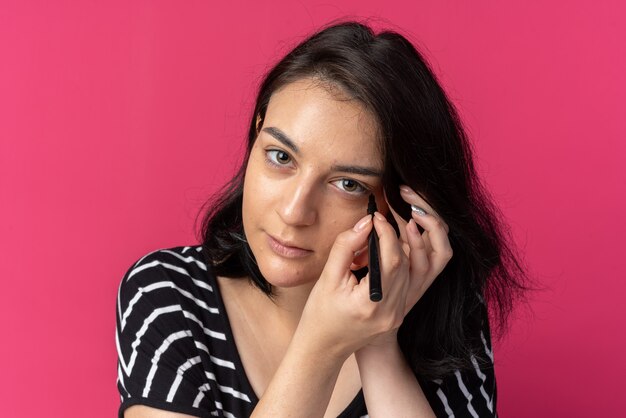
column 426, row 148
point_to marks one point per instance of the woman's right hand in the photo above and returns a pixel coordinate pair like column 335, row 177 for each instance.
column 339, row 317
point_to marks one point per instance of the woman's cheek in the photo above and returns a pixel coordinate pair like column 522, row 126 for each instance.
column 343, row 223
column 258, row 182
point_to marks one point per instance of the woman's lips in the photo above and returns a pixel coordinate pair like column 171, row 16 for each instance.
column 285, row 250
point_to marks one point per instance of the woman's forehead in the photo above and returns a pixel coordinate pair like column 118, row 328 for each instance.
column 312, row 116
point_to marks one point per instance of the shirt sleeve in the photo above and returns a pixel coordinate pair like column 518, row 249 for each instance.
column 158, row 361
column 469, row 393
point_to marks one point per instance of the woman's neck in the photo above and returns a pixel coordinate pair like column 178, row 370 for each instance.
column 289, row 303
column 282, row 311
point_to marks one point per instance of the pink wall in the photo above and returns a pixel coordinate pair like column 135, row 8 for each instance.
column 118, row 118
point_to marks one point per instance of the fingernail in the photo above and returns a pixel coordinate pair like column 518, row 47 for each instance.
column 363, row 223
column 379, row 216
column 406, row 189
column 418, row 210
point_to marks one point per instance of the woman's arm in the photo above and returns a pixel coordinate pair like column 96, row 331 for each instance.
column 143, row 411
column 302, row 385
column 389, row 385
column 331, row 328
column 339, row 319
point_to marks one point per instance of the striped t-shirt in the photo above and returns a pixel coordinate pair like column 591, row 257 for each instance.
column 176, row 350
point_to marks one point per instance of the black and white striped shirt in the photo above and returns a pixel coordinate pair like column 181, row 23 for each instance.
column 176, row 350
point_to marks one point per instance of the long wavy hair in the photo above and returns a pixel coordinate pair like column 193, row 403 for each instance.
column 425, row 147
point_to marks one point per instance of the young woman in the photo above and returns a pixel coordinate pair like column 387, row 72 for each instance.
column 271, row 315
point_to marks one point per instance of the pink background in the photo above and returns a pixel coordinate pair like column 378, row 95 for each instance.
column 117, row 119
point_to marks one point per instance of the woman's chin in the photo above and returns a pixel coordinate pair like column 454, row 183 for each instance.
column 290, row 282
column 285, row 277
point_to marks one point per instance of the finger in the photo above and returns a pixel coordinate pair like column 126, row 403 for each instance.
column 420, row 276
column 427, row 218
column 346, row 244
column 435, row 237
column 419, row 205
column 399, row 220
column 402, row 228
column 418, row 214
column 406, row 248
column 360, row 259
column 435, row 233
column 435, row 229
column 360, row 256
column 426, row 239
column 391, row 254
column 418, row 257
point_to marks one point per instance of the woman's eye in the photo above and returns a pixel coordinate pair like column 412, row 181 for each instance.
column 351, row 186
column 278, row 157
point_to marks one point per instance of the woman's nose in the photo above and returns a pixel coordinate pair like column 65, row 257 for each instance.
column 298, row 205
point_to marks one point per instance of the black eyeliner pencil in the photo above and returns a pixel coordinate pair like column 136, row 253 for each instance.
column 376, row 289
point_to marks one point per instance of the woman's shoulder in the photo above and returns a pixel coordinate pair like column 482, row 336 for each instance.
column 176, row 267
column 174, row 349
column 187, row 258
column 166, row 281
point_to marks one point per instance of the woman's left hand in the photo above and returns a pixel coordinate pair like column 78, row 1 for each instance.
column 426, row 254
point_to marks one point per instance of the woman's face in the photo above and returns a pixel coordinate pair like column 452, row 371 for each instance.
column 311, row 170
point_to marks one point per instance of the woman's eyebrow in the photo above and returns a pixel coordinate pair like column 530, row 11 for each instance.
column 352, row 169
column 280, row 136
